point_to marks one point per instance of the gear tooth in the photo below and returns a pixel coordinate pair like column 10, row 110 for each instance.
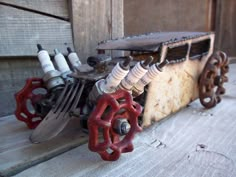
column 128, row 148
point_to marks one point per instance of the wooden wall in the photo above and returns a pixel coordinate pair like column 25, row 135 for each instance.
column 13, row 73
column 95, row 21
column 80, row 24
column 226, row 26
column 168, row 15
column 184, row 15
column 25, row 23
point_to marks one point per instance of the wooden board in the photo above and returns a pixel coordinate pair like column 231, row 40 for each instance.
column 18, row 153
column 95, row 21
column 226, row 26
column 176, row 86
column 14, row 73
column 194, row 142
column 168, row 15
column 53, row 7
column 21, row 30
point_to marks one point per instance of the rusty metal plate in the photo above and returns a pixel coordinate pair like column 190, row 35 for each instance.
column 147, row 42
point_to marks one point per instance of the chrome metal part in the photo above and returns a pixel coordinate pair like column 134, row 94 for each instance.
column 53, row 79
column 59, row 116
column 121, row 126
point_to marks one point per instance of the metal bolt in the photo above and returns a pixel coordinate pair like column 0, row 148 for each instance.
column 56, row 51
column 39, row 46
column 69, row 50
column 121, row 127
column 125, row 128
column 125, row 64
column 161, row 65
column 146, row 63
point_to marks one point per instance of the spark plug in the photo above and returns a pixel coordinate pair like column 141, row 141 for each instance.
column 112, row 81
column 73, row 58
column 61, row 62
column 44, row 59
column 152, row 73
column 52, row 77
column 118, row 73
column 62, row 66
column 139, row 70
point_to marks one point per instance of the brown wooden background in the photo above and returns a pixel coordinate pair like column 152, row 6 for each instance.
column 184, row 15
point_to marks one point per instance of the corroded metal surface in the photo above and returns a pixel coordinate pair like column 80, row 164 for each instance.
column 177, row 85
column 213, row 78
column 148, row 42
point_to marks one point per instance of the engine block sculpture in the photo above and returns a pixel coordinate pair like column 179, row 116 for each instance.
column 118, row 96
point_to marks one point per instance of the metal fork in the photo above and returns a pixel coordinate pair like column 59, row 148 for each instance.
column 60, row 115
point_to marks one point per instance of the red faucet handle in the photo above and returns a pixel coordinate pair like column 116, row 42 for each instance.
column 116, row 116
column 212, row 79
column 25, row 102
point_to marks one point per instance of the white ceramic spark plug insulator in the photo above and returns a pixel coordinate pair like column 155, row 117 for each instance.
column 152, row 73
column 74, row 59
column 45, row 61
column 61, row 62
column 113, row 79
column 133, row 76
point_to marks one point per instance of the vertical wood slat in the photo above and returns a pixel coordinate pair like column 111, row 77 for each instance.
column 94, row 21
column 117, row 13
column 226, row 26
column 211, row 16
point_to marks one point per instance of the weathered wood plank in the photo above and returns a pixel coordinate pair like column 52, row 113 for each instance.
column 226, row 26
column 21, row 30
column 94, row 21
column 13, row 74
column 18, row 153
column 117, row 8
column 117, row 18
column 192, row 143
column 168, row 15
column 55, row 7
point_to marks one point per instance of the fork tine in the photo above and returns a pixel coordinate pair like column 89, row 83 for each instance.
column 64, row 101
column 76, row 101
column 56, row 120
column 62, row 95
column 69, row 103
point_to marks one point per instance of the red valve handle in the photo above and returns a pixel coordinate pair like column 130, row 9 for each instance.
column 111, row 107
column 22, row 112
column 212, row 79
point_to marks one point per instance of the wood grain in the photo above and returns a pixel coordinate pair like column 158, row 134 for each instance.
column 55, row 7
column 168, row 15
column 14, row 72
column 18, row 153
column 21, row 30
column 194, row 142
column 95, row 21
column 226, row 27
